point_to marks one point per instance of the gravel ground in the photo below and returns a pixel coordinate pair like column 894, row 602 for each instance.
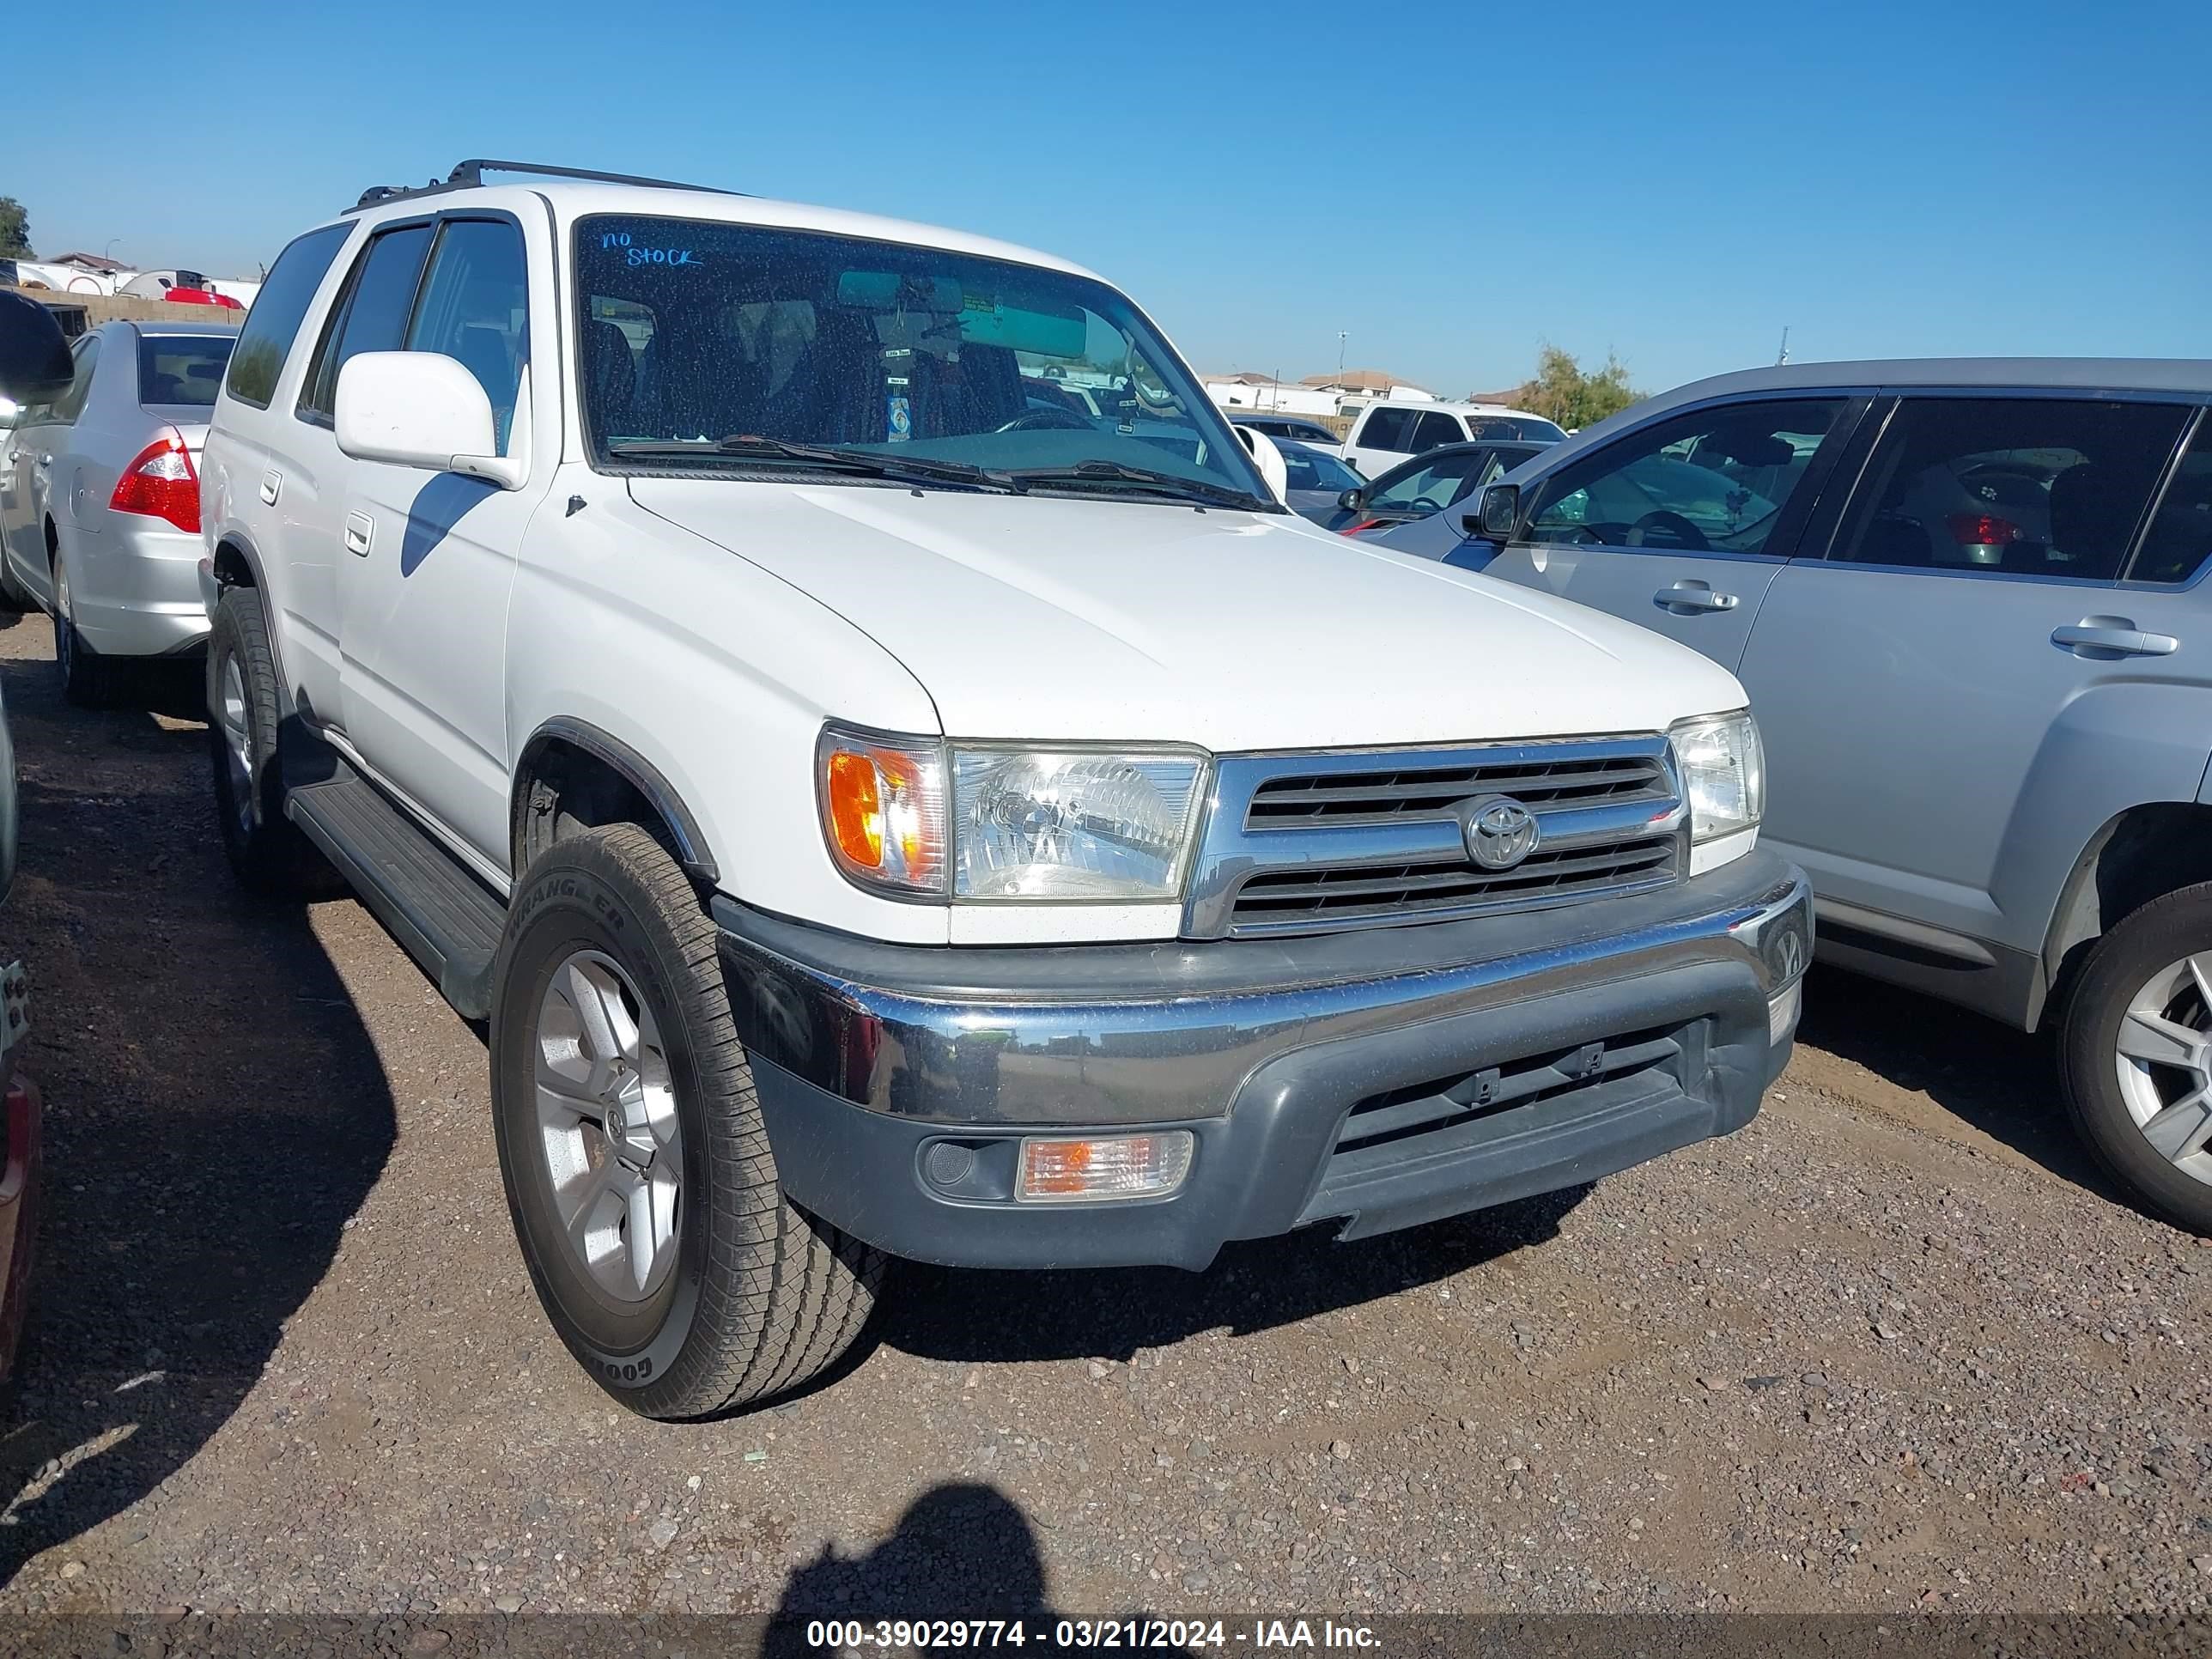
column 1895, row 1346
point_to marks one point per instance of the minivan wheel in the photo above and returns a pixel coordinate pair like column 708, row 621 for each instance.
column 638, row 1170
column 2135, row 1050
column 268, row 852
column 86, row 680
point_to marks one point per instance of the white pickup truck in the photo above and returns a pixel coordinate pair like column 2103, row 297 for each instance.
column 839, row 700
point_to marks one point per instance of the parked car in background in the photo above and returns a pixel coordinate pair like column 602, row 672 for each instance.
column 1293, row 427
column 816, row 753
column 1970, row 601
column 1316, row 481
column 35, row 365
column 1424, row 485
column 100, row 501
column 1384, row 433
column 201, row 296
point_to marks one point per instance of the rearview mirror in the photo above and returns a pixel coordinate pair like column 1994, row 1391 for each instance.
column 35, row 365
column 1352, row 500
column 421, row 408
column 1498, row 516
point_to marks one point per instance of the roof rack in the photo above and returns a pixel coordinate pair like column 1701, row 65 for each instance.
column 470, row 174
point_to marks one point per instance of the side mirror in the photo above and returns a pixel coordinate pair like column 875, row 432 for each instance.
column 1269, row 460
column 421, row 408
column 1352, row 501
column 35, row 365
column 1498, row 516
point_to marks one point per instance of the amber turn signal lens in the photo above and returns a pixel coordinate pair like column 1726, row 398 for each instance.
column 856, row 809
column 883, row 811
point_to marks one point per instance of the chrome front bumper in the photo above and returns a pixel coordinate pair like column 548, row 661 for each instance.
column 1520, row 1029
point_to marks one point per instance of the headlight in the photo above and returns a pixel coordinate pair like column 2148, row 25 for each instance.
column 1000, row 823
column 1723, row 772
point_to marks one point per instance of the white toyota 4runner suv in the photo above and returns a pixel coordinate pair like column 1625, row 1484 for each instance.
column 841, row 701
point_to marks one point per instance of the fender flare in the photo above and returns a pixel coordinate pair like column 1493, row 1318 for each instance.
column 692, row 849
column 243, row 546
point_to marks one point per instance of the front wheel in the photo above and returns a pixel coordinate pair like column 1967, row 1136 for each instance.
column 2135, row 1047
column 637, row 1167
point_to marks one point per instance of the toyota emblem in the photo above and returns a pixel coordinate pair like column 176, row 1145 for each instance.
column 1500, row 832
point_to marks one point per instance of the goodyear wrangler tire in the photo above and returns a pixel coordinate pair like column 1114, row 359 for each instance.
column 637, row 1167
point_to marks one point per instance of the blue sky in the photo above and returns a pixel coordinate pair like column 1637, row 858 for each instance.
column 1449, row 184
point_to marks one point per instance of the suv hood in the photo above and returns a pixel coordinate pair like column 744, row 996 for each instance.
column 1062, row 619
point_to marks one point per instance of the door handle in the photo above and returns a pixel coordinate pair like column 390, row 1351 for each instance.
column 2105, row 639
column 359, row 527
column 1690, row 594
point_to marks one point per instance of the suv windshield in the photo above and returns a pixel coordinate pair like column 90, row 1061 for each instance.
column 739, row 347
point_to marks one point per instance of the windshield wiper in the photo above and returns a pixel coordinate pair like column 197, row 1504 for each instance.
column 863, row 463
column 1115, row 472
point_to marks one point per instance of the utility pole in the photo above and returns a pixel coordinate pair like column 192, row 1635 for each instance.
column 1784, row 357
column 1339, row 357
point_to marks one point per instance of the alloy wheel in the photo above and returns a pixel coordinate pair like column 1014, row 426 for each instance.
column 2164, row 1054
column 613, row 1149
column 237, row 742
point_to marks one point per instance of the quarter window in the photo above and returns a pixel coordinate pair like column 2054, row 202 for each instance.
column 278, row 311
column 1717, row 480
column 2030, row 486
column 372, row 317
column 2180, row 536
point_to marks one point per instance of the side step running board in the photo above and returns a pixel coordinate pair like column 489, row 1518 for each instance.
column 448, row 921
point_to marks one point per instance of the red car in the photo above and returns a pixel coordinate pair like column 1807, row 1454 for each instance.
column 200, row 296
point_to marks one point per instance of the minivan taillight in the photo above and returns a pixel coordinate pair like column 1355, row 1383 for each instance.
column 1983, row 530
column 161, row 482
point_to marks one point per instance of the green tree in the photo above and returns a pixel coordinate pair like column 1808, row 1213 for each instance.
column 14, row 230
column 1564, row 391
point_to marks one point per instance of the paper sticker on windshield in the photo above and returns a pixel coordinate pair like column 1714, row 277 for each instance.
column 899, row 419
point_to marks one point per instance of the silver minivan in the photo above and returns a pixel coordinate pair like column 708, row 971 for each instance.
column 1969, row 601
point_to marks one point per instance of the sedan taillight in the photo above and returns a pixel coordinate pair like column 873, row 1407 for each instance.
column 160, row 482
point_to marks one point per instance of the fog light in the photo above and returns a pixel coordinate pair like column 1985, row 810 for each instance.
column 1781, row 1011
column 1108, row 1167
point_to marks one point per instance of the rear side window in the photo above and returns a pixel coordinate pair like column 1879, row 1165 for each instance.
column 70, row 403
column 1388, row 429
column 1433, row 430
column 2180, row 536
column 372, row 317
column 2027, row 486
column 184, row 369
column 475, row 309
column 278, row 311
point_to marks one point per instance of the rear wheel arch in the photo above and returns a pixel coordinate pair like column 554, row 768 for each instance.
column 2136, row 856
column 575, row 776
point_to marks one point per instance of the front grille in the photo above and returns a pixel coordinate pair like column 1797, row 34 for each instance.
column 1355, row 798
column 1368, row 892
column 1309, row 844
